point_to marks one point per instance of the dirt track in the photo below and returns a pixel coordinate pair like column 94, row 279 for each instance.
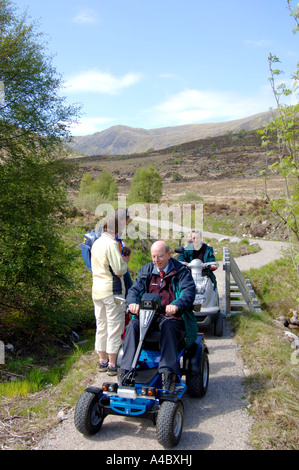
column 270, row 251
column 217, row 421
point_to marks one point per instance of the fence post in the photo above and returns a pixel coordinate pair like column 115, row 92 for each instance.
column 241, row 283
column 226, row 284
column 231, row 268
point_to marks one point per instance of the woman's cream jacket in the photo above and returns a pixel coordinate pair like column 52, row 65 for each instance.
column 108, row 267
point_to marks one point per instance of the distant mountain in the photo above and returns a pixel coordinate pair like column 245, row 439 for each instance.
column 122, row 140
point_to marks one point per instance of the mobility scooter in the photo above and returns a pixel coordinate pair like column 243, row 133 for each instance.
column 139, row 393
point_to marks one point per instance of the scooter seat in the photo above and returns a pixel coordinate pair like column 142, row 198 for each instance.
column 152, row 341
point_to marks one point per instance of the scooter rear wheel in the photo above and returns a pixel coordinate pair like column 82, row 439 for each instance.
column 170, row 423
column 88, row 417
column 197, row 384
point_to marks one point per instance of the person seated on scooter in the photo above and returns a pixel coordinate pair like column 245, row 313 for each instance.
column 196, row 249
column 170, row 279
column 188, row 239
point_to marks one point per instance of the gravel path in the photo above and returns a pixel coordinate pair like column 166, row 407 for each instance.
column 270, row 251
column 217, row 421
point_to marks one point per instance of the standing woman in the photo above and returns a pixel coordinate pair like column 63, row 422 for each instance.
column 108, row 268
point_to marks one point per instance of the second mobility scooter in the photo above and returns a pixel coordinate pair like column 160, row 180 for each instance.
column 206, row 304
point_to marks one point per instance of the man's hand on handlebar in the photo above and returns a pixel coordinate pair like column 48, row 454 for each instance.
column 134, row 308
column 213, row 267
column 171, row 310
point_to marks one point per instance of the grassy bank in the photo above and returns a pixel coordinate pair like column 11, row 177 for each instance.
column 271, row 380
column 37, row 400
column 271, row 368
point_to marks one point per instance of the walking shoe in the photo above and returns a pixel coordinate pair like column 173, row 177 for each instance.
column 111, row 370
column 103, row 366
column 168, row 380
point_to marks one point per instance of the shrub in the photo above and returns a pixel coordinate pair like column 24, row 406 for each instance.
column 146, row 185
column 94, row 192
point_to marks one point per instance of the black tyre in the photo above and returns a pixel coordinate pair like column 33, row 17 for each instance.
column 170, row 423
column 88, row 415
column 218, row 325
column 197, row 384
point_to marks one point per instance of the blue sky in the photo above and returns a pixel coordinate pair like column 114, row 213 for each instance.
column 160, row 63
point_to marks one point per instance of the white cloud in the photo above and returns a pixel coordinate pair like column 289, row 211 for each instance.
column 96, row 81
column 199, row 106
column 86, row 16
column 87, row 126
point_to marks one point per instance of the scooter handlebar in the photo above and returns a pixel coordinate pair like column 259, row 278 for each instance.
column 120, row 298
column 213, row 265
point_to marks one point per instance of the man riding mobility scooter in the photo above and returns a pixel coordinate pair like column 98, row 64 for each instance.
column 139, row 392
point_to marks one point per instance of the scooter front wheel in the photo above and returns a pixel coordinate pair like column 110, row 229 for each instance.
column 170, row 423
column 218, row 325
column 88, row 417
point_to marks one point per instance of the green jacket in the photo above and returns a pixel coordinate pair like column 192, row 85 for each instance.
column 208, row 257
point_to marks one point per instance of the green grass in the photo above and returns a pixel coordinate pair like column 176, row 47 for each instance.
column 237, row 218
column 276, row 286
column 190, row 196
column 272, row 378
column 30, row 408
column 27, row 376
column 237, row 249
column 271, row 381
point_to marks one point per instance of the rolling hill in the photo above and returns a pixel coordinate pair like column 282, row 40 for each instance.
column 123, row 140
column 226, row 166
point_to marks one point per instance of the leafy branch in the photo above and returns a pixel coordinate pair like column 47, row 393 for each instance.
column 283, row 130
